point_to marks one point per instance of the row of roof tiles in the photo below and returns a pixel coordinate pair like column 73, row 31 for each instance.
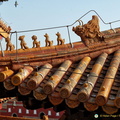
column 94, row 82
column 2, row 100
column 3, row 0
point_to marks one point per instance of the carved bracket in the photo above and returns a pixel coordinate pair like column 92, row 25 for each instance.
column 60, row 41
column 90, row 32
column 23, row 43
column 9, row 45
column 47, row 40
column 36, row 44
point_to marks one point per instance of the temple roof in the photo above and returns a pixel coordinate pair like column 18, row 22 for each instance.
column 4, row 28
column 87, row 74
column 3, row 0
column 93, row 82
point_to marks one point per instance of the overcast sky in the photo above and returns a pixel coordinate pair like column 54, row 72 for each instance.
column 37, row 14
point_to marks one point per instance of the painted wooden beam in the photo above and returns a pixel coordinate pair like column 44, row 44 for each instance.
column 88, row 86
column 23, row 73
column 38, row 77
column 105, row 88
column 74, row 78
column 56, row 77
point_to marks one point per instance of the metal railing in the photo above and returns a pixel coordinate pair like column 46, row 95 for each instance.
column 56, row 27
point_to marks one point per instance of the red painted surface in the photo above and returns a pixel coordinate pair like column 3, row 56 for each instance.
column 22, row 112
column 0, row 37
column 0, row 106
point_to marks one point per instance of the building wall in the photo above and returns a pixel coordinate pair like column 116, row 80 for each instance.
column 14, row 108
column 0, row 106
column 0, row 37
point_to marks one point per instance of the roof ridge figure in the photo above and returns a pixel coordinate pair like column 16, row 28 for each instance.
column 90, row 32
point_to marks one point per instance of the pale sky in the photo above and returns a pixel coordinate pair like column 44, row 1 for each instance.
column 37, row 14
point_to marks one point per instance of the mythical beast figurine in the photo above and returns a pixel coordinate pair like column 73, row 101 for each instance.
column 90, row 32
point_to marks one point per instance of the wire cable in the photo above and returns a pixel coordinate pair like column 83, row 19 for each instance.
column 70, row 24
column 56, row 27
column 56, row 69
